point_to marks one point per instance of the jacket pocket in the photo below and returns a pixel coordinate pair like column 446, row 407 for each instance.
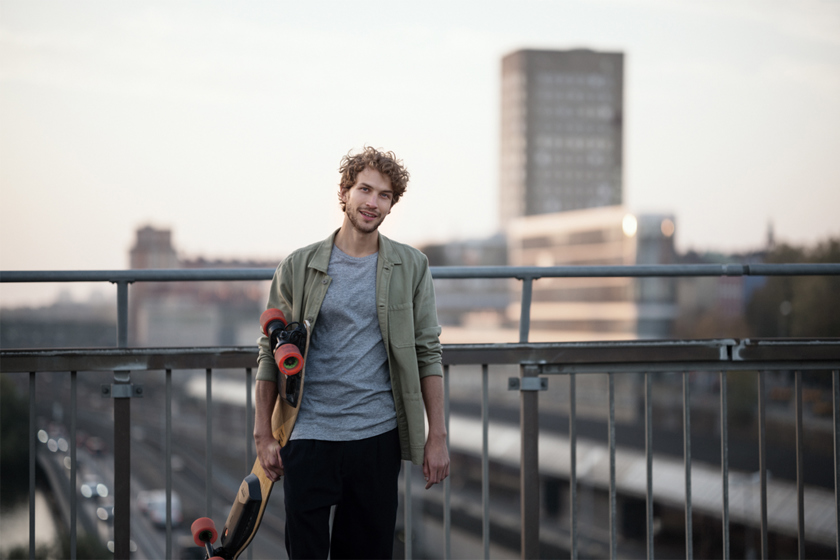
column 401, row 325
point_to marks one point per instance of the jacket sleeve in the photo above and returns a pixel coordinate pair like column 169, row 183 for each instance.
column 426, row 328
column 279, row 297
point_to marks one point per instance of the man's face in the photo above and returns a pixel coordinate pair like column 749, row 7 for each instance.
column 368, row 201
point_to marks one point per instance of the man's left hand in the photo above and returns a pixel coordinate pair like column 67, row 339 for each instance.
column 435, row 460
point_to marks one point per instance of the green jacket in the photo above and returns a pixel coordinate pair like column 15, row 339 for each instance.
column 405, row 302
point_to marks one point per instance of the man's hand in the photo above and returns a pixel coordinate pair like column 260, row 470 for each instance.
column 435, row 460
column 268, row 451
column 435, row 454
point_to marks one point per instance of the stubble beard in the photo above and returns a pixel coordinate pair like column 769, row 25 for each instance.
column 359, row 225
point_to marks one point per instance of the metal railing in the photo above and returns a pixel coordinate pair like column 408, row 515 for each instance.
column 533, row 359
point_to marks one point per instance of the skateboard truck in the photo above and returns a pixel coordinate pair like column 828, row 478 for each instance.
column 287, row 342
column 204, row 534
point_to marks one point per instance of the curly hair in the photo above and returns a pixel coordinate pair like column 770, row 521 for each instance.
column 384, row 162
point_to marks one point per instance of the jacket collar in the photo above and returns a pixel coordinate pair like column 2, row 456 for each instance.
column 321, row 258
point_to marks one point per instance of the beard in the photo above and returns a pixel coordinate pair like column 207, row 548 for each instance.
column 360, row 224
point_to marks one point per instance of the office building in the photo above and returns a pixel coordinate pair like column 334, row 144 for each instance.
column 619, row 308
column 561, row 132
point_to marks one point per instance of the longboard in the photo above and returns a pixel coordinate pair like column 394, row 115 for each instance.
column 248, row 507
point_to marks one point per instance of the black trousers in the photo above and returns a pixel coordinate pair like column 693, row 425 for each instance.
column 359, row 478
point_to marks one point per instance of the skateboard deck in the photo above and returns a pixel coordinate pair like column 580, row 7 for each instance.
column 248, row 507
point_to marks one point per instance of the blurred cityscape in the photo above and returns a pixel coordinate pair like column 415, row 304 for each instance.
column 561, row 203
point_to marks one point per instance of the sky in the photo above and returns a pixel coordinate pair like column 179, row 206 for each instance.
column 225, row 122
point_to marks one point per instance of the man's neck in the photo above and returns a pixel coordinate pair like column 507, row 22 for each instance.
column 355, row 243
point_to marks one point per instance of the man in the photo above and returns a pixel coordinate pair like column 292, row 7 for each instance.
column 374, row 363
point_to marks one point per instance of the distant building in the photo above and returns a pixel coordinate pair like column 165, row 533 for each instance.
column 191, row 313
column 467, row 301
column 561, row 132
column 153, row 249
column 596, row 308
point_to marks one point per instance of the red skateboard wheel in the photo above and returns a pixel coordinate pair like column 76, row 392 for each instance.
column 288, row 358
column 204, row 531
column 270, row 315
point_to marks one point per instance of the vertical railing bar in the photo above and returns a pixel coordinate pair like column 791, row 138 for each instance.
column 249, row 420
column 762, row 463
column 573, row 466
column 485, row 461
column 167, row 441
column 73, row 473
column 33, row 451
column 122, row 314
column 407, row 532
column 122, row 470
column 724, row 461
column 447, row 508
column 122, row 438
column 525, row 310
column 689, row 532
column 249, row 432
column 835, row 383
column 800, row 479
column 529, row 466
column 649, row 464
column 613, row 528
column 208, row 456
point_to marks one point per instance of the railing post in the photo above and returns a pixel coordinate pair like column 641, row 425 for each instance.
column 529, row 471
column 122, row 468
column 835, row 401
column 525, row 310
column 649, row 464
column 33, row 456
column 800, row 478
column 485, row 461
column 73, row 465
column 447, row 489
column 689, row 532
column 724, row 461
column 208, row 441
column 573, row 509
column 122, row 437
column 122, row 314
column 762, row 463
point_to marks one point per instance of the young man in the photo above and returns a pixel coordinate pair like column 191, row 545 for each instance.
column 374, row 363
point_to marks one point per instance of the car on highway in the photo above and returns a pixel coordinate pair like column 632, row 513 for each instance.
column 153, row 505
column 93, row 487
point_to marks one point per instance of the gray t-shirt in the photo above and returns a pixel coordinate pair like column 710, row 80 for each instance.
column 347, row 390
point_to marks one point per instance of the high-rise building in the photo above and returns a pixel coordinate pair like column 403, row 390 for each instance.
column 561, row 132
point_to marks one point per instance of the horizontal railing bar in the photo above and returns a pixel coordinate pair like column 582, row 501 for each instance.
column 439, row 272
column 676, row 367
column 128, row 359
column 552, row 358
column 634, row 271
column 138, row 275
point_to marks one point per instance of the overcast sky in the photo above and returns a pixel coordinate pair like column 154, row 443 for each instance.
column 226, row 121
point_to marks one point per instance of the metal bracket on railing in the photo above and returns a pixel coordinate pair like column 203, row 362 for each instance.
column 528, row 384
column 121, row 391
